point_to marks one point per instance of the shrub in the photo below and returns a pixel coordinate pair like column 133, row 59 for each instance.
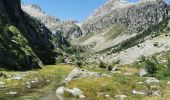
column 150, row 67
column 79, row 64
column 102, row 64
column 142, row 58
column 110, row 67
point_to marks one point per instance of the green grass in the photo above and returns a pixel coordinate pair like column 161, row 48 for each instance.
column 118, row 84
column 54, row 73
column 87, row 36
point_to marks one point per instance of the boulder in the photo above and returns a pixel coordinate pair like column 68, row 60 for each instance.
column 80, row 73
column 168, row 82
column 138, row 92
column 16, row 78
column 12, row 93
column 142, row 72
column 2, row 83
column 104, row 95
column 121, row 97
column 128, row 74
column 76, row 92
column 2, row 87
column 60, row 90
column 106, row 75
column 151, row 80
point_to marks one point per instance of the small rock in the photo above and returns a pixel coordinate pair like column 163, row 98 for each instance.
column 48, row 81
column 28, row 83
column 168, row 82
column 128, row 74
column 12, row 93
column 34, row 82
column 138, row 92
column 2, row 83
column 104, row 94
column 151, row 80
column 115, row 69
column 77, row 92
column 116, row 72
column 2, row 87
column 122, row 97
column 28, row 86
column 106, row 75
column 107, row 96
column 82, row 97
column 17, row 78
column 142, row 72
column 60, row 90
column 140, row 82
column 157, row 93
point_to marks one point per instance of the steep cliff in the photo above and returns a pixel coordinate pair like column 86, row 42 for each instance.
column 25, row 43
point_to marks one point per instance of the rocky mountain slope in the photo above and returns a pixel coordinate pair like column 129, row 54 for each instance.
column 135, row 16
column 25, row 43
column 118, row 28
column 68, row 29
column 119, row 20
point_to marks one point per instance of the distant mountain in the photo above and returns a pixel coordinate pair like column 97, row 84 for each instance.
column 68, row 29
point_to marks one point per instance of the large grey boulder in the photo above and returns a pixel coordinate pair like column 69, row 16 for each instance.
column 80, row 73
column 76, row 92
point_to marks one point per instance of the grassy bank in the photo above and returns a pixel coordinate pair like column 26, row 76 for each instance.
column 33, row 83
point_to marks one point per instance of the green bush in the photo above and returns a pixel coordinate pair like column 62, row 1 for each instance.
column 110, row 67
column 150, row 67
column 79, row 64
column 102, row 64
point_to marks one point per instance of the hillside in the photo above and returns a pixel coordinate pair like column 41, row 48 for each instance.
column 25, row 42
column 115, row 30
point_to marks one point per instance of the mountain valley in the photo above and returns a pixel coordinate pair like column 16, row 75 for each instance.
column 120, row 52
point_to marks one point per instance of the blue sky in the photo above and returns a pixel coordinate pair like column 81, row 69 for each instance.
column 69, row 9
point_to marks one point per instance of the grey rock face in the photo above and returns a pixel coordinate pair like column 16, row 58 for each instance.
column 136, row 17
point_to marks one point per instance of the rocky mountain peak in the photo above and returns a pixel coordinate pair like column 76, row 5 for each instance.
column 36, row 7
column 67, row 28
column 128, row 14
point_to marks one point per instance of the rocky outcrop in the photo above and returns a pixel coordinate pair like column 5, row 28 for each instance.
column 68, row 29
column 80, row 73
column 135, row 16
column 25, row 43
column 76, row 92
